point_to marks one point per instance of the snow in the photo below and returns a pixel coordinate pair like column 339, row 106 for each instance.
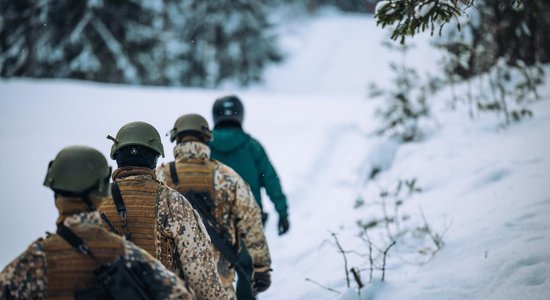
column 487, row 185
column 422, row 10
column 380, row 5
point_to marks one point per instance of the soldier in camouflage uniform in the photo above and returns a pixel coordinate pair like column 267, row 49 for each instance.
column 155, row 217
column 51, row 268
column 234, row 209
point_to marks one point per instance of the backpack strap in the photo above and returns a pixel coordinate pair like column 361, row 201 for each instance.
column 121, row 209
column 174, row 173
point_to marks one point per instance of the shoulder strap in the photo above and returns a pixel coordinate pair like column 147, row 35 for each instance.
column 121, row 209
column 174, row 173
column 74, row 240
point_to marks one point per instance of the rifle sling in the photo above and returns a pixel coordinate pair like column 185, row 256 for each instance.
column 227, row 250
column 174, row 173
column 121, row 209
column 74, row 240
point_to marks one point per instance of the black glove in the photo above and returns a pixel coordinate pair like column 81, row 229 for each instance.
column 261, row 281
column 264, row 218
column 283, row 225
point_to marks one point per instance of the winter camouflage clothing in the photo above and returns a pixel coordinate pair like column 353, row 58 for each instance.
column 33, row 274
column 161, row 220
column 243, row 153
column 235, row 210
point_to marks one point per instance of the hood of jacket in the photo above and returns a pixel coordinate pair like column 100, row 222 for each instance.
column 228, row 139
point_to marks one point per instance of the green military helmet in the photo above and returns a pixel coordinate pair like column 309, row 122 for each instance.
column 190, row 122
column 79, row 170
column 137, row 133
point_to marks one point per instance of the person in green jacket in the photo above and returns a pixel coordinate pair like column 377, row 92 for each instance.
column 237, row 149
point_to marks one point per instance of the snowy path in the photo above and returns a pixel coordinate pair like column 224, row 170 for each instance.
column 315, row 208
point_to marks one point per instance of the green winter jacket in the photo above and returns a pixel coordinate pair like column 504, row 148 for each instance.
column 247, row 157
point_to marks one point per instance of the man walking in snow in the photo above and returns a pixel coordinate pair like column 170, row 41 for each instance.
column 65, row 264
column 224, row 200
column 234, row 147
column 156, row 217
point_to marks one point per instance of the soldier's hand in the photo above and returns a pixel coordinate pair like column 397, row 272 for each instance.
column 261, row 281
column 283, row 225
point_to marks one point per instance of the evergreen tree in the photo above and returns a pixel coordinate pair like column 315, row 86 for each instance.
column 21, row 25
column 112, row 41
column 516, row 29
column 228, row 39
column 158, row 42
column 405, row 108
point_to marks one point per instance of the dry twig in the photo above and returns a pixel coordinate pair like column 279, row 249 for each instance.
column 325, row 287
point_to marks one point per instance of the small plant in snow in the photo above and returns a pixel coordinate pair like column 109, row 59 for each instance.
column 505, row 89
column 512, row 88
column 390, row 233
column 390, row 203
column 376, row 261
column 493, row 63
column 412, row 233
column 405, row 105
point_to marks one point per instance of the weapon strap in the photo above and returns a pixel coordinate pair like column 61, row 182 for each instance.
column 121, row 209
column 200, row 205
column 174, row 173
column 74, row 240
column 108, row 222
column 227, row 250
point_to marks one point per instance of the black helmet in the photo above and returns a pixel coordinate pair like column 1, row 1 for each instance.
column 228, row 108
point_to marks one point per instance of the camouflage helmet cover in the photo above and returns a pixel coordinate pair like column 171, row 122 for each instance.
column 137, row 133
column 79, row 169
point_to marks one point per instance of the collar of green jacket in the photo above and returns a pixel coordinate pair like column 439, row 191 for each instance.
column 191, row 149
column 228, row 139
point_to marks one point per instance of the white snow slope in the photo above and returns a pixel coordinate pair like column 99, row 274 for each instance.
column 490, row 187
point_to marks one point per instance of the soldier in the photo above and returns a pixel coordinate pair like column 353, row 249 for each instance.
column 56, row 267
column 234, row 147
column 156, row 217
column 223, row 199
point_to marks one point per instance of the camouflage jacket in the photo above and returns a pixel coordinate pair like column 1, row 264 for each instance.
column 237, row 210
column 26, row 276
column 177, row 219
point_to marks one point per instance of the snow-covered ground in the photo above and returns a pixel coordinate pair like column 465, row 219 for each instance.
column 488, row 186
